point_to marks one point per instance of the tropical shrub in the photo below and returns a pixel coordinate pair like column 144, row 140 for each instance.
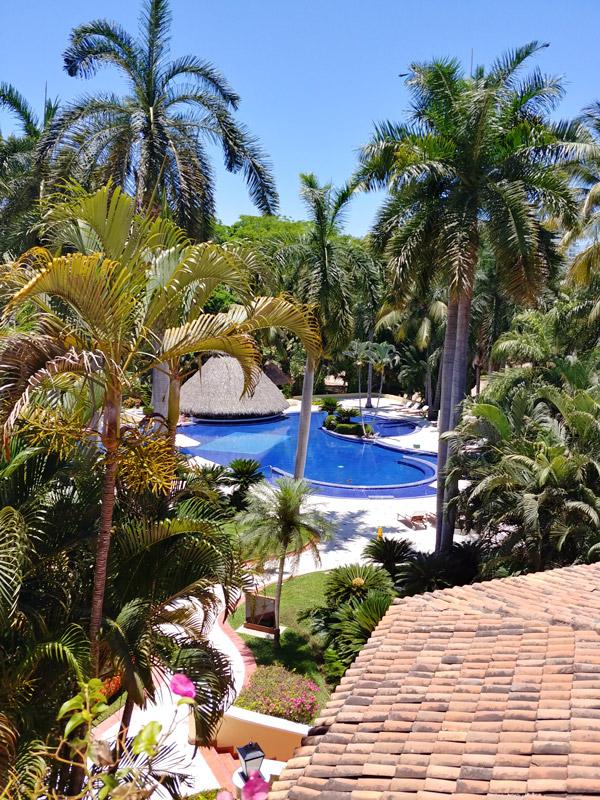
column 354, row 582
column 330, row 423
column 345, row 414
column 329, row 404
column 354, row 622
column 276, row 691
column 388, row 553
column 354, row 429
column 426, row 572
column 530, row 453
column 243, row 474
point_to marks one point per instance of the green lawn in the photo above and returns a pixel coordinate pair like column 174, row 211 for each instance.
column 299, row 650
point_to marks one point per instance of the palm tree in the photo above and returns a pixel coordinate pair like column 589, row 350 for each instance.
column 382, row 356
column 478, row 153
column 115, row 295
column 279, row 523
column 360, row 355
column 418, row 319
column 322, row 263
column 152, row 140
column 22, row 173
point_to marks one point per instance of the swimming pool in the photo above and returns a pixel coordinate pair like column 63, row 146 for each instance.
column 335, row 466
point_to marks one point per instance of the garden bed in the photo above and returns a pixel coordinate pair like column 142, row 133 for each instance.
column 299, row 651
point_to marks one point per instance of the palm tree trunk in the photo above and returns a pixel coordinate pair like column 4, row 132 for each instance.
column 360, row 410
column 379, row 393
column 305, row 416
column 110, row 440
column 160, row 389
column 434, row 411
column 459, row 382
column 428, row 382
column 123, row 728
column 369, row 400
column 280, row 572
column 174, row 404
column 444, row 415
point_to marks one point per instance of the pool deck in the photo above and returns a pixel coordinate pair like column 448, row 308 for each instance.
column 356, row 520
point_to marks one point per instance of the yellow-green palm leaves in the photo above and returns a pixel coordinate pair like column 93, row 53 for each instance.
column 121, row 290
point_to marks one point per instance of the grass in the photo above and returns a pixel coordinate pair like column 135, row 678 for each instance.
column 297, row 594
column 299, row 650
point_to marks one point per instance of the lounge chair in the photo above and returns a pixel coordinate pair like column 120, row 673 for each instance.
column 417, row 519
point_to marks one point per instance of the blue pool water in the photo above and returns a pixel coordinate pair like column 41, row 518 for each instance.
column 336, row 466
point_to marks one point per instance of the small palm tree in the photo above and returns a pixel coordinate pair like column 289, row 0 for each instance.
column 360, row 353
column 383, row 356
column 152, row 140
column 244, row 473
column 280, row 524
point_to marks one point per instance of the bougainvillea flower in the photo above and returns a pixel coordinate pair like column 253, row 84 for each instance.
column 255, row 788
column 182, row 685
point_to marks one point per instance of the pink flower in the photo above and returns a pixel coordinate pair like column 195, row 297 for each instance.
column 224, row 795
column 182, row 685
column 255, row 788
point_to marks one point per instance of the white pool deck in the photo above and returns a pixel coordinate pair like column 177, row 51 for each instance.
column 355, row 522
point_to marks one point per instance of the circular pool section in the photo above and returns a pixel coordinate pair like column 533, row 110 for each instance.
column 336, row 466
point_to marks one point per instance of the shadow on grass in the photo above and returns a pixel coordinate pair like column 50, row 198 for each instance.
column 296, row 652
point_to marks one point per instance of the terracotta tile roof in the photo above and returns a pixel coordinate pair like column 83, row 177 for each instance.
column 491, row 689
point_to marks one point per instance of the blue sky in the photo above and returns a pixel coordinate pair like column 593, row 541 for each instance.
column 313, row 74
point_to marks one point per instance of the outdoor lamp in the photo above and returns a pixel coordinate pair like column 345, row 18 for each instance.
column 251, row 757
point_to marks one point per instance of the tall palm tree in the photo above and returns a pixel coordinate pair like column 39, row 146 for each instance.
column 279, row 523
column 478, row 152
column 22, row 173
column 322, row 263
column 115, row 293
column 152, row 141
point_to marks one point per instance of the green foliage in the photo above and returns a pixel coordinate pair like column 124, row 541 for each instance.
column 426, row 572
column 389, row 554
column 330, row 423
column 345, row 413
column 243, row 474
column 354, row 582
column 353, row 429
column 531, row 455
column 267, row 230
column 354, row 622
column 329, row 404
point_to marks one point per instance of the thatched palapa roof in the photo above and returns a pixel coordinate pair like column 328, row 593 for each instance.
column 274, row 373
column 215, row 391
